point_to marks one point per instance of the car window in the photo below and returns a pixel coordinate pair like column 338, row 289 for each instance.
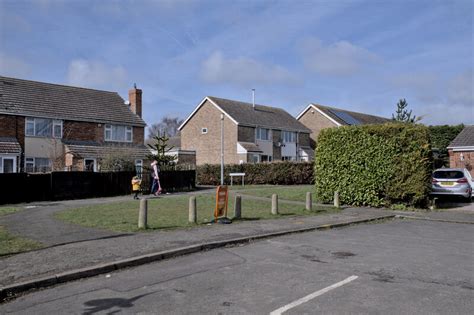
column 448, row 174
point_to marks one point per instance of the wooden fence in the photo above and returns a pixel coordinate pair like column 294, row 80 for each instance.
column 24, row 187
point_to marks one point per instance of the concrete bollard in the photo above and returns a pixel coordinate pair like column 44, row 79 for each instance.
column 192, row 210
column 142, row 214
column 336, row 199
column 434, row 204
column 238, row 207
column 274, row 204
column 309, row 201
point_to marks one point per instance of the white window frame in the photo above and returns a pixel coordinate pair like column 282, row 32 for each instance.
column 32, row 161
column 109, row 129
column 288, row 137
column 8, row 157
column 204, row 130
column 139, row 167
column 258, row 131
column 54, row 123
column 90, row 159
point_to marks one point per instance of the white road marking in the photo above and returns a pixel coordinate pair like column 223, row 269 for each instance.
column 312, row 296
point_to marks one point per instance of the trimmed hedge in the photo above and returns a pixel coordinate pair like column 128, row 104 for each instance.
column 374, row 165
column 276, row 173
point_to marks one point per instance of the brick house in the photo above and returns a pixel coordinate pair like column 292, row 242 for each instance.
column 252, row 133
column 461, row 150
column 318, row 117
column 45, row 127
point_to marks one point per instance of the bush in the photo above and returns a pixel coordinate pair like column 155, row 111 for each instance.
column 374, row 165
column 276, row 173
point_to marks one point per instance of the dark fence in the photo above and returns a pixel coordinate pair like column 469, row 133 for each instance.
column 24, row 187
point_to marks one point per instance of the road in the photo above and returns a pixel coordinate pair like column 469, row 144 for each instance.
column 394, row 267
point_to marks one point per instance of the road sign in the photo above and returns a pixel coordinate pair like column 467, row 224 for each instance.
column 221, row 202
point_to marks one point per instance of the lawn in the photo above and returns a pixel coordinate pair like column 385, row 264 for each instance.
column 10, row 244
column 293, row 193
column 170, row 212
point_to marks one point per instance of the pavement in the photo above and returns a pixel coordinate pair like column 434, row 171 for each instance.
column 75, row 252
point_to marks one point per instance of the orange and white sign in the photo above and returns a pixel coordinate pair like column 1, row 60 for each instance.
column 221, row 202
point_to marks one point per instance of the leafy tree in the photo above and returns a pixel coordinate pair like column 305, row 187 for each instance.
column 402, row 113
column 441, row 137
column 160, row 148
column 117, row 162
column 167, row 125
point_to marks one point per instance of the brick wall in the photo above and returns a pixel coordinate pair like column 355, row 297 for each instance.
column 88, row 131
column 468, row 160
column 208, row 146
column 315, row 121
column 276, row 135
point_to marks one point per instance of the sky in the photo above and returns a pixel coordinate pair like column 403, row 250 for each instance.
column 356, row 55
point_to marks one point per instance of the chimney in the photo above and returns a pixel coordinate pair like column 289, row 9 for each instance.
column 135, row 98
column 253, row 98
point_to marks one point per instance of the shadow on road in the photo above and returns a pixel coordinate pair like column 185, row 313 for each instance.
column 100, row 305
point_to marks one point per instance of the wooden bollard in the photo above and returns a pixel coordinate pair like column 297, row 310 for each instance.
column 274, row 204
column 336, row 199
column 143, row 213
column 309, row 201
column 192, row 210
column 238, row 207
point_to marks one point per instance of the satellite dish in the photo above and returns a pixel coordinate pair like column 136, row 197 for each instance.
column 127, row 102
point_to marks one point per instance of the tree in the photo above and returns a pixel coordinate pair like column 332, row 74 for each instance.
column 167, row 125
column 402, row 113
column 160, row 148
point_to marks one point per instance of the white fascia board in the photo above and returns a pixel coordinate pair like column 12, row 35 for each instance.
column 457, row 149
column 304, row 111
column 326, row 115
column 240, row 149
column 199, row 106
column 320, row 111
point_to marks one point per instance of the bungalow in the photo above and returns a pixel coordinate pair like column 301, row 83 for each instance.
column 461, row 150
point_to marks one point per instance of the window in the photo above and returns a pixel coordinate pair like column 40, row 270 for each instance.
column 139, row 167
column 266, row 158
column 288, row 136
column 263, row 134
column 35, row 165
column 8, row 164
column 254, row 158
column 288, row 158
column 44, row 127
column 89, row 165
column 204, row 131
column 118, row 133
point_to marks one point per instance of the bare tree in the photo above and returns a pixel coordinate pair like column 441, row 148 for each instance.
column 167, row 126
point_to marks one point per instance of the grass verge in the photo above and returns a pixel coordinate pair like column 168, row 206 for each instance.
column 293, row 193
column 11, row 244
column 170, row 212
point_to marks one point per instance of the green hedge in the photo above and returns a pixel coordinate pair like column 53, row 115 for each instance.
column 276, row 173
column 374, row 165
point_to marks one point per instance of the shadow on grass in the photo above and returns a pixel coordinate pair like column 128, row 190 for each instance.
column 246, row 219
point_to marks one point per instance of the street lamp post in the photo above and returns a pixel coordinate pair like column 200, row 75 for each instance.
column 222, row 149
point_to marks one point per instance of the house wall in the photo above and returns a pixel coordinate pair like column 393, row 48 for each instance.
column 316, row 122
column 208, row 146
column 304, row 139
column 13, row 126
column 88, row 131
column 468, row 160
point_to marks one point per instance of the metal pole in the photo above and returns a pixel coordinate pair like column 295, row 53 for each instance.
column 222, row 149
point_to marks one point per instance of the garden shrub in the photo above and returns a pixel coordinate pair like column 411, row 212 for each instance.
column 275, row 173
column 374, row 165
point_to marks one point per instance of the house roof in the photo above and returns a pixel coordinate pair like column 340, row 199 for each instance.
column 39, row 99
column 342, row 117
column 464, row 139
column 92, row 149
column 9, row 145
column 244, row 114
column 250, row 147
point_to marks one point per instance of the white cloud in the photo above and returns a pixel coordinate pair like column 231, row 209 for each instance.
column 242, row 70
column 94, row 74
column 14, row 67
column 338, row 59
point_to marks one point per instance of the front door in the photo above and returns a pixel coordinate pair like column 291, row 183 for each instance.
column 9, row 165
column 89, row 165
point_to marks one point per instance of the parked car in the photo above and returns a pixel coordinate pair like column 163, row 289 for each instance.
column 452, row 182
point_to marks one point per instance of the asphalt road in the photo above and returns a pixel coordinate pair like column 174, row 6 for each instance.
column 395, row 267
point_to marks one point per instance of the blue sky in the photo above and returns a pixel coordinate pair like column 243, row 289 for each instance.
column 356, row 55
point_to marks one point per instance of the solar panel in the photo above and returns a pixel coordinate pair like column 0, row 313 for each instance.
column 345, row 117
